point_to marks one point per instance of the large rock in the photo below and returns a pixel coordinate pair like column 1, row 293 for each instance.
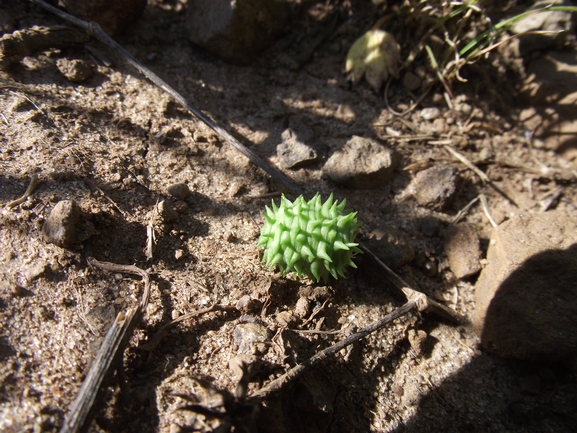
column 527, row 294
column 235, row 30
column 361, row 163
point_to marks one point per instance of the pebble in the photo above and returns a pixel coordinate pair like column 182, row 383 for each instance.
column 463, row 250
column 293, row 152
column 75, row 70
column 434, row 187
column 430, row 113
column 60, row 228
column 302, row 308
column 251, row 338
column 179, row 191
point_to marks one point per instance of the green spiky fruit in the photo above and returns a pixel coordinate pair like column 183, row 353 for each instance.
column 311, row 238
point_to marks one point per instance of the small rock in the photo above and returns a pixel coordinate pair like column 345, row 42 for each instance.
column 35, row 270
column 391, row 246
column 75, row 70
column 286, row 319
column 430, row 113
column 178, row 254
column 248, row 305
column 434, row 187
column 251, row 338
column 362, row 163
column 293, row 152
column 235, row 30
column 463, row 250
column 417, row 340
column 180, row 206
column 411, row 81
column 526, row 301
column 302, row 307
column 440, row 125
column 112, row 15
column 60, row 228
column 166, row 211
column 179, row 191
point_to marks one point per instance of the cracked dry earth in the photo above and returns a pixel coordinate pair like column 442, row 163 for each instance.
column 117, row 146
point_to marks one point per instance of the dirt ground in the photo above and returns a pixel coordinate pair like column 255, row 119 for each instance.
column 115, row 143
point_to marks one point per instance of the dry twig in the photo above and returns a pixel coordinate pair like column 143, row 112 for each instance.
column 109, row 356
column 293, row 373
column 29, row 191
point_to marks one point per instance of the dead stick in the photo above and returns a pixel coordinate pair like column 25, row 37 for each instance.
column 29, row 191
column 297, row 370
column 478, row 172
column 109, row 356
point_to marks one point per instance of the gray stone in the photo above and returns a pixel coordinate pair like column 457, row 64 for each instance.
column 434, row 187
column 390, row 246
column 60, row 228
column 362, row 163
column 251, row 338
column 235, row 30
column 463, row 250
column 526, row 297
column 293, row 152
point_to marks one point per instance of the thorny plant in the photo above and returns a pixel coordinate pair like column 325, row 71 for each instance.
column 454, row 34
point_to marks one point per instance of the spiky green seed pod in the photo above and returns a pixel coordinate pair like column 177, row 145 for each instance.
column 311, row 238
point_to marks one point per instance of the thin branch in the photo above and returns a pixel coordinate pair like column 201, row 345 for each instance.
column 29, row 191
column 299, row 369
column 478, row 172
column 486, row 210
column 109, row 356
